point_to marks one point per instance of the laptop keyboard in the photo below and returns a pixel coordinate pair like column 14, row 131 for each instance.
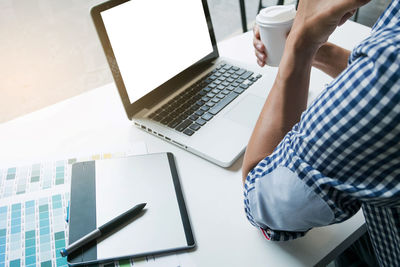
column 198, row 104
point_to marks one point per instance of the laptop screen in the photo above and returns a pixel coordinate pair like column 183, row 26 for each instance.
column 155, row 40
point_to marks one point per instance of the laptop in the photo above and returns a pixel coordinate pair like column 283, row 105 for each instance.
column 172, row 82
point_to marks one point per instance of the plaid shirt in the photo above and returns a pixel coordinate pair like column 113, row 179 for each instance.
column 346, row 147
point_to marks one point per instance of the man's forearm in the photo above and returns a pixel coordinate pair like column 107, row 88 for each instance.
column 285, row 103
column 331, row 59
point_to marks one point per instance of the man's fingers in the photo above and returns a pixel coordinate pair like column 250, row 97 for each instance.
column 354, row 4
column 258, row 45
column 345, row 6
column 346, row 17
column 261, row 56
column 256, row 31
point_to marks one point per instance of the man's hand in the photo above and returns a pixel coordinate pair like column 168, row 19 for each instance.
column 329, row 58
column 317, row 19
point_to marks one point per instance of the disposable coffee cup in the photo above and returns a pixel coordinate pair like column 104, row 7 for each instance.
column 275, row 22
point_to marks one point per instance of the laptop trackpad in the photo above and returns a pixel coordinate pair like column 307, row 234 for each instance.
column 246, row 112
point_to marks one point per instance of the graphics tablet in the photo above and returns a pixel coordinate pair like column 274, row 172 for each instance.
column 103, row 189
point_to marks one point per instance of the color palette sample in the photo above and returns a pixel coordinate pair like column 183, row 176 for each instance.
column 15, row 236
column 35, row 230
column 3, row 234
column 32, row 178
column 59, row 228
column 9, row 182
column 30, row 234
column 33, row 209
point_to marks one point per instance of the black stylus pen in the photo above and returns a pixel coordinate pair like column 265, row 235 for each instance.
column 104, row 229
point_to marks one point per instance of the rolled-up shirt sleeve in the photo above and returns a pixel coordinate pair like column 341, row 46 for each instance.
column 285, row 196
column 281, row 201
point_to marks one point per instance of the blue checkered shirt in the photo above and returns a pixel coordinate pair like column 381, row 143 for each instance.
column 345, row 150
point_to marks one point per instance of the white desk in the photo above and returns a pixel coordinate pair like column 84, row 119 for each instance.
column 96, row 121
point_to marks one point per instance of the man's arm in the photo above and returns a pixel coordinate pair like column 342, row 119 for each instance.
column 331, row 59
column 285, row 103
column 314, row 22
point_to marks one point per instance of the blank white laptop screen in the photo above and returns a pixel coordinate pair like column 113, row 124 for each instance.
column 155, row 40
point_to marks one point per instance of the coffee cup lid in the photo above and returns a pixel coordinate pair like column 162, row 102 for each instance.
column 276, row 15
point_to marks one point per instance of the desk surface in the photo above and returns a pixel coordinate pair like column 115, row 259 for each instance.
column 96, row 121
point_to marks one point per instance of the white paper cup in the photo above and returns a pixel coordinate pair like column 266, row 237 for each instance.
column 274, row 23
